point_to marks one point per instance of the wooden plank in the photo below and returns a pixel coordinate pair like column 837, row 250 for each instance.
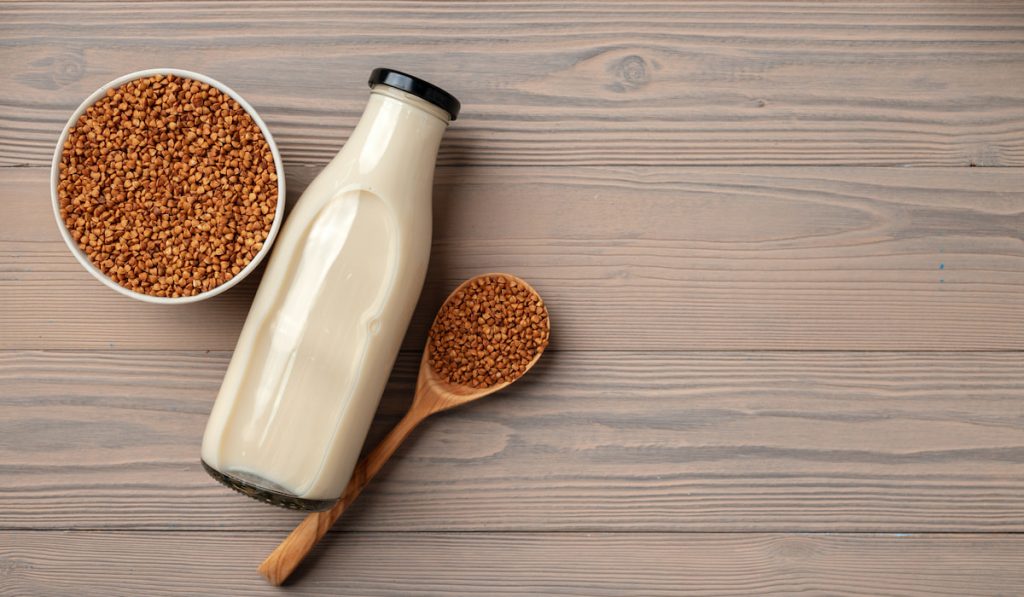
column 883, row 83
column 171, row 563
column 631, row 258
column 587, row 442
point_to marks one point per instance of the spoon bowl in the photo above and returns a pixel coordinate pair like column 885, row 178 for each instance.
column 433, row 395
column 438, row 394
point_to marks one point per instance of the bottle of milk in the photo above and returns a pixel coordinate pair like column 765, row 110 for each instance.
column 333, row 306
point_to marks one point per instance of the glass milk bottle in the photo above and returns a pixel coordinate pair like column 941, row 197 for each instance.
column 335, row 301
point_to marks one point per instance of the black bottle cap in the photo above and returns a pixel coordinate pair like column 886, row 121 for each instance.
column 418, row 87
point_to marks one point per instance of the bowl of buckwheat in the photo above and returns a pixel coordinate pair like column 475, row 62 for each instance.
column 167, row 186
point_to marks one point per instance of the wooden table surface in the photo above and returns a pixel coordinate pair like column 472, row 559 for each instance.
column 781, row 243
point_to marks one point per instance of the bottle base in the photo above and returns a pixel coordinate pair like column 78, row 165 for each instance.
column 269, row 496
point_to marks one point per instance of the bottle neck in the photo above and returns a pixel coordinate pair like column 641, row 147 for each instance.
column 398, row 136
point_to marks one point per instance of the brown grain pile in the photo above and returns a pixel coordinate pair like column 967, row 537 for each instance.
column 488, row 332
column 168, row 186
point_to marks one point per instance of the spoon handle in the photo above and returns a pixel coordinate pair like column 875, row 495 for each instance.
column 287, row 556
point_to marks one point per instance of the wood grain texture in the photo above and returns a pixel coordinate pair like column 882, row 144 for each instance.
column 715, row 387
column 630, row 258
column 637, row 83
column 93, row 564
column 587, row 442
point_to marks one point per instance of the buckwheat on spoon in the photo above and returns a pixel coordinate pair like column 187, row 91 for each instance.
column 490, row 331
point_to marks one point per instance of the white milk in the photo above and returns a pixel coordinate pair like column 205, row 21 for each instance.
column 331, row 312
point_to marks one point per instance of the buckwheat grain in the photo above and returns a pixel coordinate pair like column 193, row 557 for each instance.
column 488, row 333
column 168, row 186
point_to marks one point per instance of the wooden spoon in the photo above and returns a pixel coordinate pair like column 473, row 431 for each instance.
column 433, row 395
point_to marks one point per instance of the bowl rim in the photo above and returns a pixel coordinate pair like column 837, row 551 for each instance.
column 80, row 255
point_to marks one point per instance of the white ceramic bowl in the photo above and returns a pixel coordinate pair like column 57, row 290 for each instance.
column 84, row 259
